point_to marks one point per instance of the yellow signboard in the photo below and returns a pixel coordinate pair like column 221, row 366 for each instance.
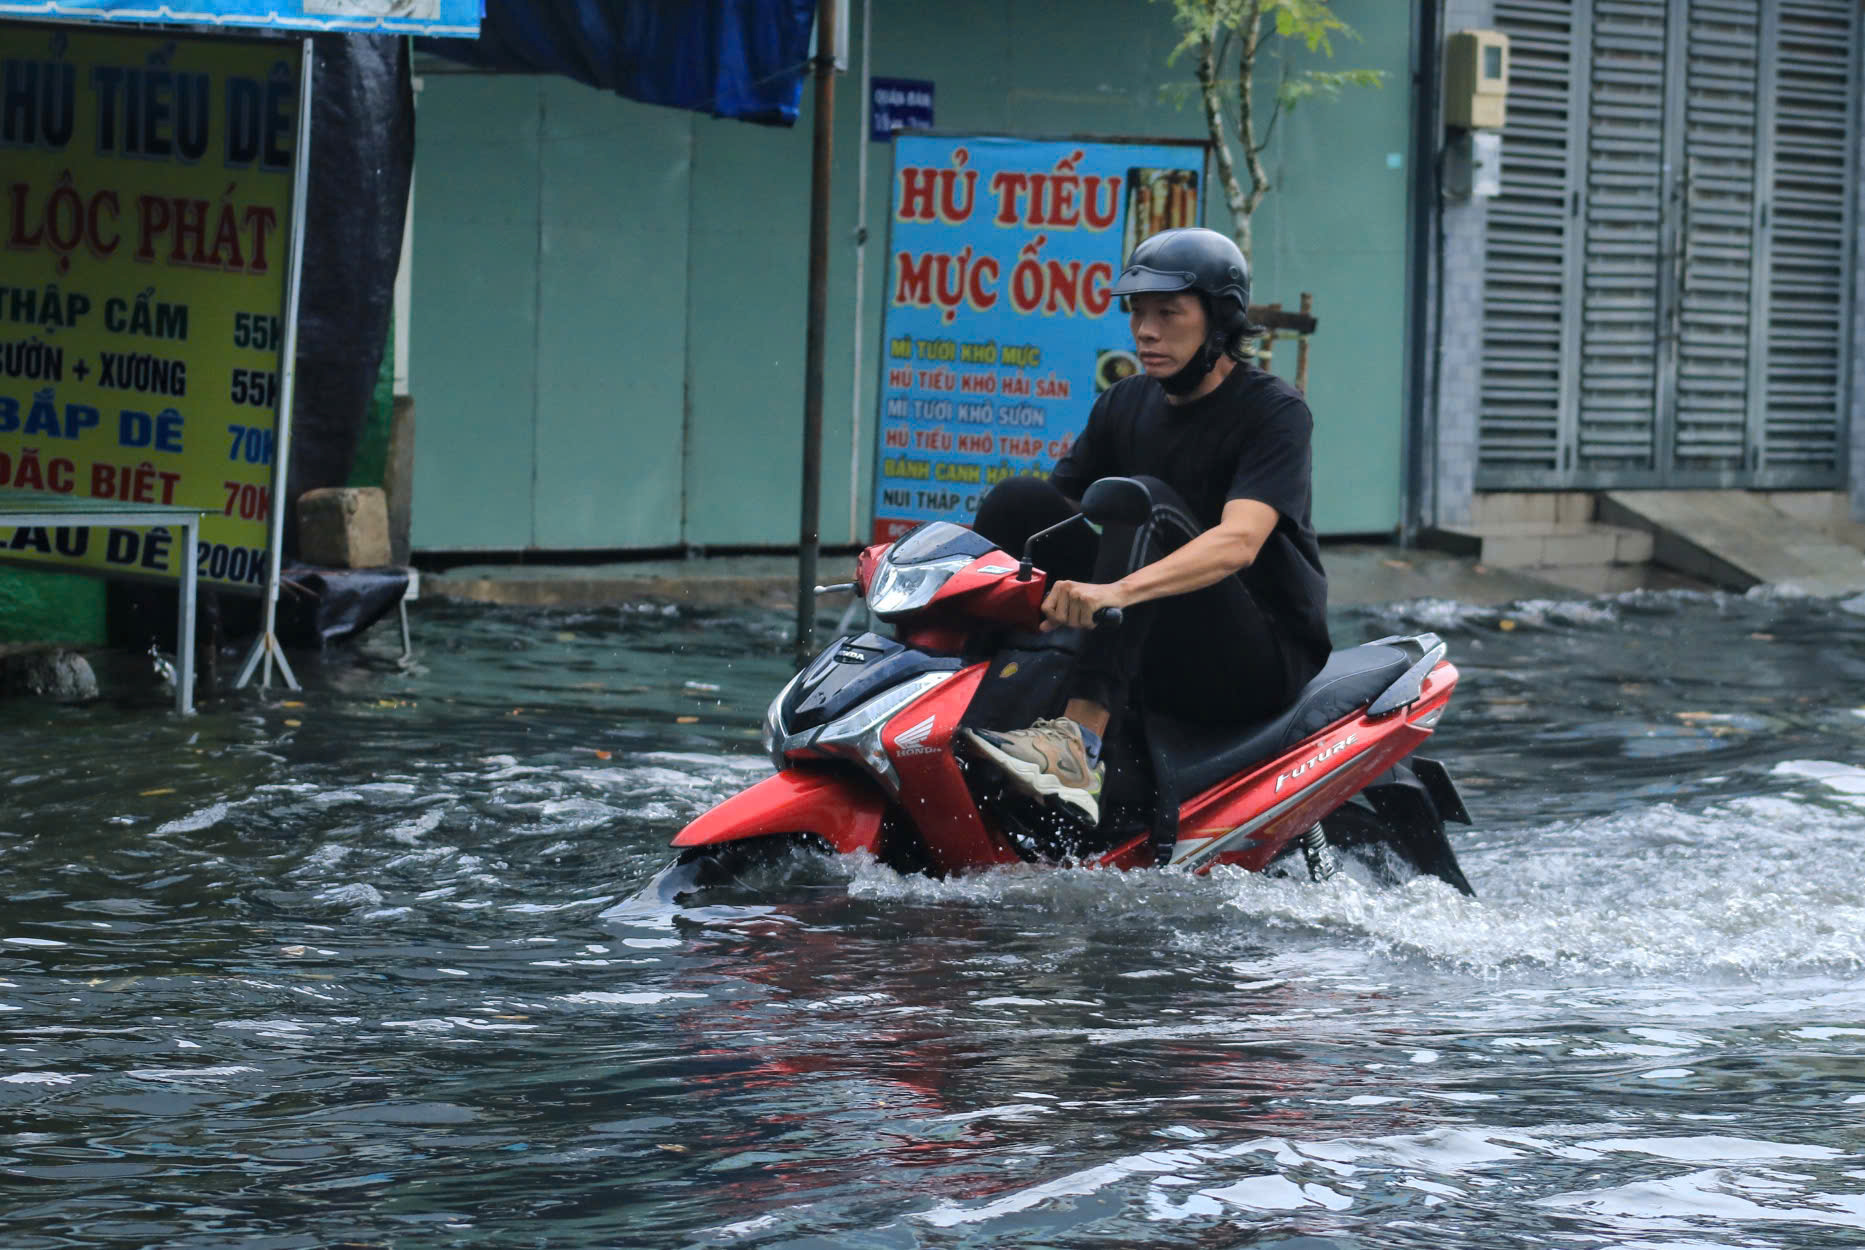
column 145, row 196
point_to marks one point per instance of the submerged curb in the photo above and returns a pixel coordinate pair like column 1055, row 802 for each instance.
column 1358, row 573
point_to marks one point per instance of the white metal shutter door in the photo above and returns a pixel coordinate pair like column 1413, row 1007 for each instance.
column 1710, row 436
column 1621, row 290
column 1808, row 225
column 1530, row 255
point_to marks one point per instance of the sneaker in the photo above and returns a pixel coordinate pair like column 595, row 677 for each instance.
column 1048, row 758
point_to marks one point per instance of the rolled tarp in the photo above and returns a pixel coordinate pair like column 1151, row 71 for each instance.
column 742, row 59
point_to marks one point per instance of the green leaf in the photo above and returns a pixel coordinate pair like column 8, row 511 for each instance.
column 1328, row 83
column 1192, row 18
column 1178, row 94
column 1311, row 21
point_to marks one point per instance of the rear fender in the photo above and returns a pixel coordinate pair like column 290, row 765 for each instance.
column 1410, row 814
column 843, row 810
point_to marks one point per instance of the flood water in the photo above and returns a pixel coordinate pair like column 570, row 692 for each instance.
column 384, row 964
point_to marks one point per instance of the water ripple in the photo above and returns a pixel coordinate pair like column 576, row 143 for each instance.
column 397, row 965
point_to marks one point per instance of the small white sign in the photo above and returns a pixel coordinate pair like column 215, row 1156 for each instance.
column 414, row 10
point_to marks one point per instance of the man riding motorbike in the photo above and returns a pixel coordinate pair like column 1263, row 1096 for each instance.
column 1223, row 594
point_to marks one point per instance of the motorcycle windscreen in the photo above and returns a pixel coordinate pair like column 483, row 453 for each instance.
column 843, row 810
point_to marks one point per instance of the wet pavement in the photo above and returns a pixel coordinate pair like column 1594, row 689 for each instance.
column 385, row 963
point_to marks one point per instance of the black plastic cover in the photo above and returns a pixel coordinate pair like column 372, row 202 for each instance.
column 317, row 605
column 1027, row 680
column 849, row 672
column 936, row 540
column 743, row 59
column 362, row 156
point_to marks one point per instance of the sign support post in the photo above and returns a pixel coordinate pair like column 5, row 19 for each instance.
column 855, row 446
column 809, row 541
column 267, row 646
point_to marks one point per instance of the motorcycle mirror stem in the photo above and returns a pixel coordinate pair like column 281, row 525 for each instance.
column 1108, row 501
column 1026, row 567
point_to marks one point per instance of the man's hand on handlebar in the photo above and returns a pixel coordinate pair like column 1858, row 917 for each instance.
column 1076, row 604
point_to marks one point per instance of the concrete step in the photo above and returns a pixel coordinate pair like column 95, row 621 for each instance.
column 1543, row 544
column 1546, row 507
column 1738, row 539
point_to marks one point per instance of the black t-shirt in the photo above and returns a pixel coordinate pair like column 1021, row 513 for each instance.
column 1248, row 439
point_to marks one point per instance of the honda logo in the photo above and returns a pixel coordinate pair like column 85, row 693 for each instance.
column 912, row 741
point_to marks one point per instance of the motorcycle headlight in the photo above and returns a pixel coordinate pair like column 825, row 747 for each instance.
column 907, row 587
column 774, row 739
column 857, row 734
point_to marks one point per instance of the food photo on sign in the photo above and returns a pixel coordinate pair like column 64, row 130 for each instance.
column 1159, row 199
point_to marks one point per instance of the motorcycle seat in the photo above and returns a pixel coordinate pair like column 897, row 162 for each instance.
column 1202, row 755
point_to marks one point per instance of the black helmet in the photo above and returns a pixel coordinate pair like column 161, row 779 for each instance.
column 1195, row 259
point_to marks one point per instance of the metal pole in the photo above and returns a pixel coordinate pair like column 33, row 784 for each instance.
column 184, row 638
column 822, row 150
column 267, row 646
column 861, row 257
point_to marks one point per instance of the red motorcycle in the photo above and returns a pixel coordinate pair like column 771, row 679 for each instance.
column 866, row 741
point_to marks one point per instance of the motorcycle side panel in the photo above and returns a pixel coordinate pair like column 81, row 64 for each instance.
column 919, row 741
column 982, row 593
column 1307, row 782
column 842, row 809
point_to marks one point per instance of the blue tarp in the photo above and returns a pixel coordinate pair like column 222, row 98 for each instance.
column 445, row 17
column 744, row 59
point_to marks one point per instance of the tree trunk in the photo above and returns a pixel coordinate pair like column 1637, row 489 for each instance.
column 1220, row 139
column 1246, row 118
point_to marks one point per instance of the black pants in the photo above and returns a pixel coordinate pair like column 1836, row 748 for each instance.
column 1212, row 655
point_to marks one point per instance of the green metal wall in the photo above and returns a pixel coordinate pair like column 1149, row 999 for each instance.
column 1337, row 226
column 51, row 607
column 607, row 333
column 473, row 324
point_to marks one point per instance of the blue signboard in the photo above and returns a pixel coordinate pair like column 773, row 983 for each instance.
column 413, row 17
column 898, row 104
column 1000, row 328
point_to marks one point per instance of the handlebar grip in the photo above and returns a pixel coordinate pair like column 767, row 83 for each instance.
column 1110, row 617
